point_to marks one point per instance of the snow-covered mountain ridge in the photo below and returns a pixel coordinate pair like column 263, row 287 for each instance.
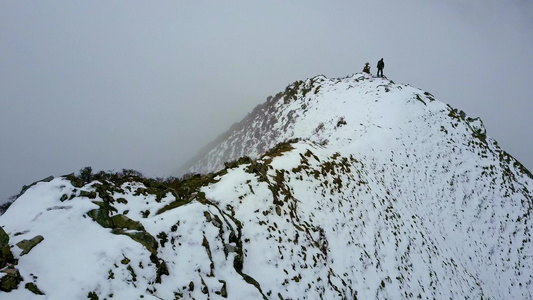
column 317, row 110
column 337, row 188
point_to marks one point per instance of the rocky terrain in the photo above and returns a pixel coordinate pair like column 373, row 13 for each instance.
column 342, row 188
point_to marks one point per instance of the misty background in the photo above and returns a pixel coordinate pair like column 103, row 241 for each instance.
column 145, row 84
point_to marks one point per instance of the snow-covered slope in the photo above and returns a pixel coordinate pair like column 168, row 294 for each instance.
column 350, row 188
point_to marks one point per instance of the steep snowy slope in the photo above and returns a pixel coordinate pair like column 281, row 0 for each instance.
column 338, row 188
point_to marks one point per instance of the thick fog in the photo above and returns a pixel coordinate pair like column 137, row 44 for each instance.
column 144, row 84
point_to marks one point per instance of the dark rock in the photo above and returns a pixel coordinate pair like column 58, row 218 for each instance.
column 11, row 280
column 27, row 245
column 30, row 286
column 6, row 256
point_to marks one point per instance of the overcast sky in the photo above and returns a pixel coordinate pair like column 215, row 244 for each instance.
column 144, row 84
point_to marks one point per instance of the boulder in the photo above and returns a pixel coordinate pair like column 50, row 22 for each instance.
column 27, row 245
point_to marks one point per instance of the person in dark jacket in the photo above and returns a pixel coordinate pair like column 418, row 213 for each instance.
column 366, row 69
column 381, row 66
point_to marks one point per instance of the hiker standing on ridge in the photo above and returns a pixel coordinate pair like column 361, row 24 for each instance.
column 381, row 65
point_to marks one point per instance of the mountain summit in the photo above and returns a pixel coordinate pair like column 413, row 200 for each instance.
column 345, row 188
column 360, row 113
